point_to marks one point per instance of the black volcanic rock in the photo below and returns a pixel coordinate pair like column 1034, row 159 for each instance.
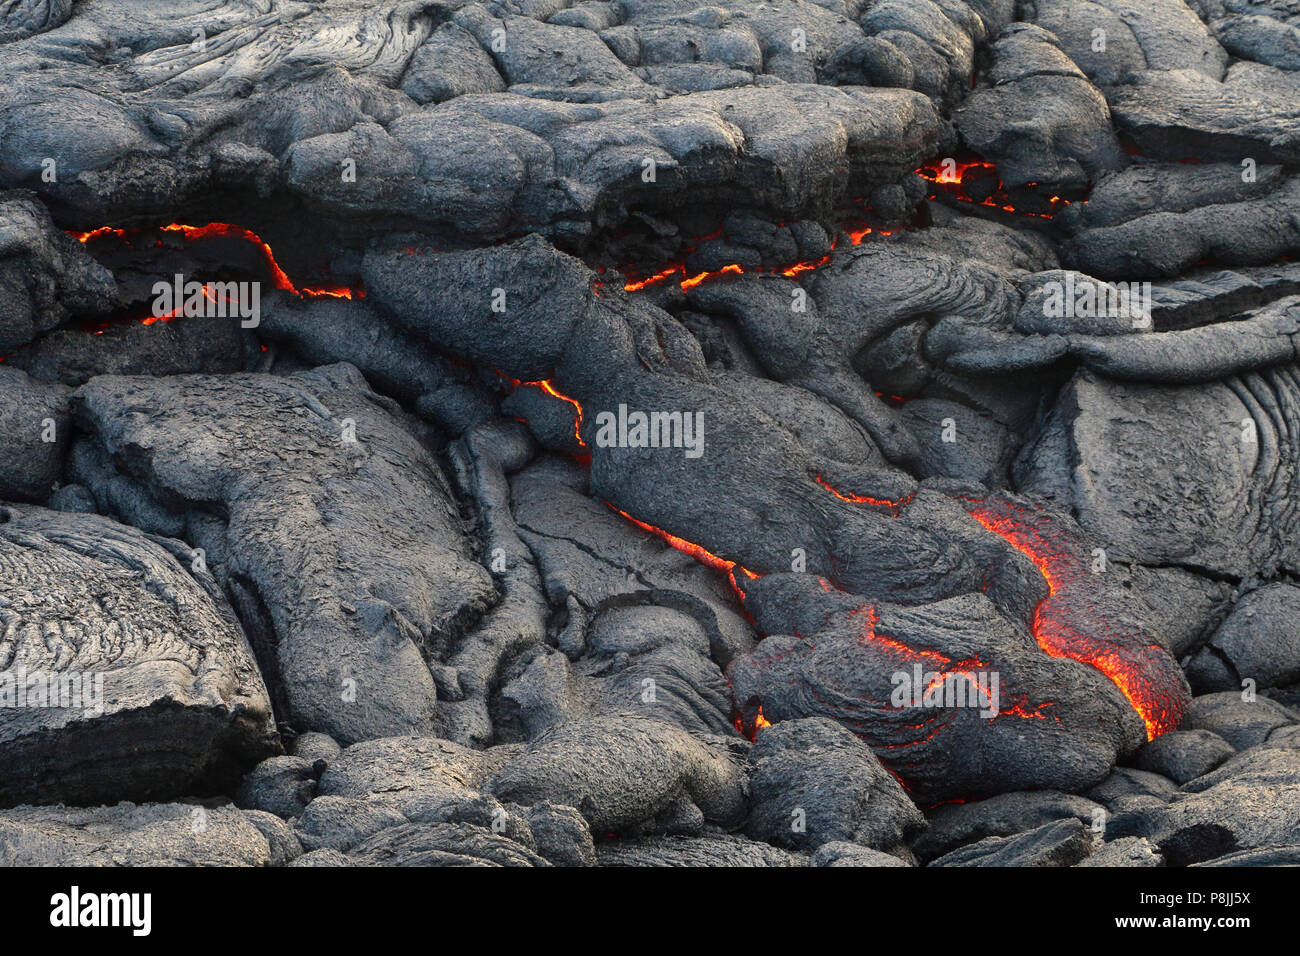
column 849, row 657
column 1139, row 36
column 1126, row 851
column 1185, row 754
column 1158, row 220
column 1063, row 843
column 1126, row 786
column 726, row 851
column 441, row 844
column 159, row 695
column 814, row 782
column 280, row 785
column 1242, row 723
column 984, row 318
column 1257, row 641
column 556, row 110
column 626, row 774
column 1040, row 120
column 1252, row 802
column 413, row 775
column 1263, row 39
column 376, row 572
column 45, row 276
column 35, row 429
column 1231, row 446
column 954, row 825
column 73, row 356
column 1179, row 113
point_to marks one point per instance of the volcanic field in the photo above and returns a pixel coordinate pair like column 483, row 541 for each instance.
column 644, row 433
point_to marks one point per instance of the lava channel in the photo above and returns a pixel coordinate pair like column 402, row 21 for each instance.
column 1073, row 621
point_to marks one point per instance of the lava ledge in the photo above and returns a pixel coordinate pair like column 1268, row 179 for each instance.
column 126, row 674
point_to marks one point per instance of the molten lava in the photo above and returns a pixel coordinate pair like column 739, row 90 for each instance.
column 893, row 505
column 1067, row 622
column 224, row 230
column 749, row 729
column 955, row 179
column 700, row 554
column 548, row 387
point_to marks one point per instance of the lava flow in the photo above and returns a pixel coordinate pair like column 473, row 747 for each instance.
column 224, row 230
column 957, row 179
column 548, row 387
column 700, row 554
column 892, row 504
column 951, row 177
column 1070, row 622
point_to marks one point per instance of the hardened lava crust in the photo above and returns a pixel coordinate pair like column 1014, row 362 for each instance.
column 650, row 433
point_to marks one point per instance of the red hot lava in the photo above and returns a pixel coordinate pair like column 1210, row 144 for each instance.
column 1071, row 621
column 225, row 230
column 958, row 178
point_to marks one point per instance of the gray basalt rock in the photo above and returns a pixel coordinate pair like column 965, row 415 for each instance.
column 814, row 782
column 1127, row 785
column 1063, row 843
column 497, row 630
column 73, row 357
column 1242, row 723
column 853, row 854
column 1225, row 448
column 663, row 672
column 955, row 825
column 279, row 785
column 376, row 572
column 728, row 851
column 1257, row 641
column 1040, row 119
column 322, row 857
column 45, row 276
column 326, row 330
column 1264, row 39
column 1179, row 113
column 868, row 530
column 127, row 675
column 448, row 64
column 624, row 773
column 481, row 460
column 441, row 844
column 432, row 103
column 1252, row 802
column 1139, row 36
column 1267, row 856
column 414, row 775
column 1127, row 852
column 340, row 823
column 1154, row 221
column 561, row 834
column 1184, row 754
column 852, row 658
column 313, row 746
column 34, row 436
column 128, row 834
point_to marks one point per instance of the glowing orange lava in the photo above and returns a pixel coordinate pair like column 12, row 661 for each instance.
column 863, row 499
column 547, row 386
column 950, row 177
column 1068, row 623
column 700, row 554
column 225, row 230
column 751, row 731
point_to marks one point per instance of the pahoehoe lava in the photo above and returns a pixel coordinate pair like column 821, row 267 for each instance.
column 465, row 432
